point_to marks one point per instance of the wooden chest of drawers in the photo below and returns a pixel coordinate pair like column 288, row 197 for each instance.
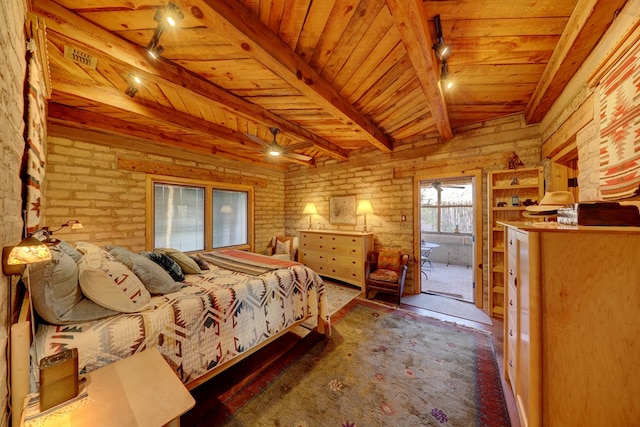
column 338, row 255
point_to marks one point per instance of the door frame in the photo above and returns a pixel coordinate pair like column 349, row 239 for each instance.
column 476, row 175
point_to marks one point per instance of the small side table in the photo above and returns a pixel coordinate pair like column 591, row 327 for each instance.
column 141, row 390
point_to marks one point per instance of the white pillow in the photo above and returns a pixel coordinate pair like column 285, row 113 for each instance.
column 282, row 247
column 109, row 283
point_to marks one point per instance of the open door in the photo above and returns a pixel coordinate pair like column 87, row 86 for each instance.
column 448, row 236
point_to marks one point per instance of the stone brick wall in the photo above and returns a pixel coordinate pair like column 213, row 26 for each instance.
column 373, row 175
column 12, row 74
column 84, row 182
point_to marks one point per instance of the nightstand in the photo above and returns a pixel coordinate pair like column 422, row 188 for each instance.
column 141, row 390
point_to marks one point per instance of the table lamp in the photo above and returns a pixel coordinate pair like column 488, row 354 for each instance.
column 364, row 208
column 310, row 209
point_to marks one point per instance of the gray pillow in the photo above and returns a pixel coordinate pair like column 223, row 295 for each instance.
column 187, row 265
column 70, row 250
column 168, row 264
column 201, row 263
column 154, row 277
column 56, row 294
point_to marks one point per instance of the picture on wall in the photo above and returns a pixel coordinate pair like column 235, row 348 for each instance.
column 342, row 210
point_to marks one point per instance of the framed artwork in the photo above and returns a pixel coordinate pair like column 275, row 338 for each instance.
column 342, row 210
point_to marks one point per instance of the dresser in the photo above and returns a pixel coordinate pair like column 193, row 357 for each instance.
column 338, row 255
column 572, row 324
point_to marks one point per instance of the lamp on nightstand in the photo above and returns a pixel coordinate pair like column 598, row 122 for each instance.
column 364, row 208
column 310, row 209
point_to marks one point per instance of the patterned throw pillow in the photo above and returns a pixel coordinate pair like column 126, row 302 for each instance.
column 165, row 261
column 187, row 265
column 389, row 259
column 110, row 283
column 154, row 277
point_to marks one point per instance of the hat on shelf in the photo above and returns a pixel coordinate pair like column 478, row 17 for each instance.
column 552, row 201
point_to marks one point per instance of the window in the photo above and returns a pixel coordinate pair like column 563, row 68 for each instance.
column 229, row 218
column 191, row 215
column 446, row 206
column 178, row 217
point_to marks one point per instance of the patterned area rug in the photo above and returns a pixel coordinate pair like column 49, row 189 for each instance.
column 339, row 295
column 380, row 367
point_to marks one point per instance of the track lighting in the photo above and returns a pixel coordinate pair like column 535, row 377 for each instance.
column 444, row 75
column 132, row 89
column 442, row 51
column 170, row 15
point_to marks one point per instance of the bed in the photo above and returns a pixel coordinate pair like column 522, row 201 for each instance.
column 217, row 318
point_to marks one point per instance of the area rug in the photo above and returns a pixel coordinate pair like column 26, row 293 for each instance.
column 380, row 367
column 448, row 306
column 339, row 295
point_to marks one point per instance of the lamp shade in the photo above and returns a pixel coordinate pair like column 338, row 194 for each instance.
column 28, row 251
column 310, row 209
column 364, row 207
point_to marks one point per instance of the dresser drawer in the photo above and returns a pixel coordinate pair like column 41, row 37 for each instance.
column 346, row 274
column 336, row 254
column 342, row 245
column 512, row 245
column 333, row 259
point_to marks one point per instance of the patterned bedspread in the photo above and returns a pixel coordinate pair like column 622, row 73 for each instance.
column 216, row 316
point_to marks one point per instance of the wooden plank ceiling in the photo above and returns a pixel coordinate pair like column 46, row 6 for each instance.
column 332, row 75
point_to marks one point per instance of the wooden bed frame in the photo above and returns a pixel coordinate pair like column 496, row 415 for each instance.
column 20, row 371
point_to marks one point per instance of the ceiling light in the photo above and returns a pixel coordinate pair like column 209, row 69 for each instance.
column 132, row 88
column 274, row 149
column 445, row 81
column 442, row 50
column 171, row 15
column 155, row 50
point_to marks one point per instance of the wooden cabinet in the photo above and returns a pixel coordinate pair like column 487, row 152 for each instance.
column 572, row 324
column 522, row 322
column 507, row 191
column 338, row 255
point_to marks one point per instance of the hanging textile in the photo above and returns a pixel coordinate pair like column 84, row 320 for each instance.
column 36, row 135
column 619, row 112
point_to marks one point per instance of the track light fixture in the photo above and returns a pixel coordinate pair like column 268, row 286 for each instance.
column 134, row 82
column 442, row 51
column 170, row 16
column 444, row 75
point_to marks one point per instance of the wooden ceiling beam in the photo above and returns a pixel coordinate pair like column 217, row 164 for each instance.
column 92, row 37
column 589, row 20
column 65, row 129
column 182, row 121
column 411, row 20
column 245, row 30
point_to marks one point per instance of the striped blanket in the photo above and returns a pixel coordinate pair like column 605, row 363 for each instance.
column 245, row 262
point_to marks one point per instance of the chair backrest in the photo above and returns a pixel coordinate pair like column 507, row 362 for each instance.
column 284, row 245
column 390, row 259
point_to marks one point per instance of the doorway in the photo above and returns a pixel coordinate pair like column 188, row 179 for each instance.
column 448, row 212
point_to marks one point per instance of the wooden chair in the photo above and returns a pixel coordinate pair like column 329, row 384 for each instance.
column 385, row 271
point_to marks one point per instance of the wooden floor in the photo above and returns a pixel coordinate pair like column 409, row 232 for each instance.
column 498, row 338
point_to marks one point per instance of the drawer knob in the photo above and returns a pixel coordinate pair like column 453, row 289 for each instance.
column 333, row 259
column 510, row 362
column 510, row 242
column 511, row 302
column 333, row 248
column 510, row 272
